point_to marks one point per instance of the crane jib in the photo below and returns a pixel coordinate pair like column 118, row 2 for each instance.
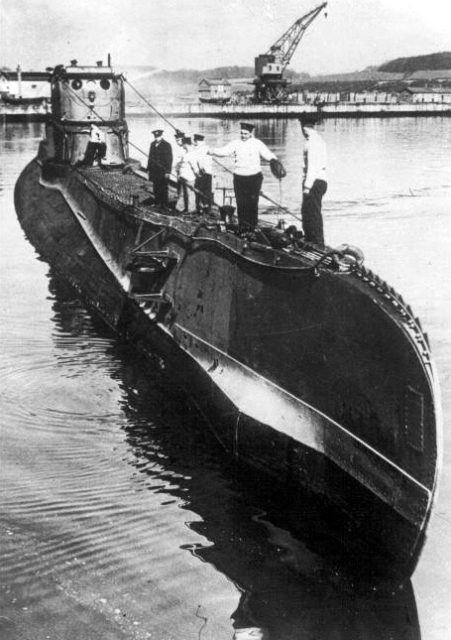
column 270, row 85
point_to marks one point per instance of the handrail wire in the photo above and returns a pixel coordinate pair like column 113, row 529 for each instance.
column 84, row 103
column 263, row 195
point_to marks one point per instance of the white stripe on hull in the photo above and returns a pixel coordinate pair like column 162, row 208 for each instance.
column 264, row 401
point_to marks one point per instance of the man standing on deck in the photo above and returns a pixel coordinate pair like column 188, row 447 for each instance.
column 96, row 149
column 204, row 177
column 179, row 152
column 159, row 167
column 314, row 185
column 247, row 175
column 186, row 171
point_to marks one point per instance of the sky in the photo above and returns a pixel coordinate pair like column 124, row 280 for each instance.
column 201, row 34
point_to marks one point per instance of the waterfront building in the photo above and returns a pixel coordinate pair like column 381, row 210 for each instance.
column 218, row 90
column 435, row 95
column 25, row 84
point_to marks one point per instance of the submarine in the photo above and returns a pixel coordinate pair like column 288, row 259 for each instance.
column 310, row 370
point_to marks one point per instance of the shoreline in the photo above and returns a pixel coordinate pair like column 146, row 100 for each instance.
column 260, row 111
column 295, row 110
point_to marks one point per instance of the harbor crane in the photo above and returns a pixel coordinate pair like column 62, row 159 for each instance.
column 270, row 85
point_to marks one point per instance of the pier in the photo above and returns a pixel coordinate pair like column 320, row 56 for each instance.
column 38, row 113
column 282, row 111
column 24, row 111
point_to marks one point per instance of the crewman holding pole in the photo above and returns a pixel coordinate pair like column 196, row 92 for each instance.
column 204, row 177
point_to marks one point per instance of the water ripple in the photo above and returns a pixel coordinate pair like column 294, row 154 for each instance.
column 111, row 503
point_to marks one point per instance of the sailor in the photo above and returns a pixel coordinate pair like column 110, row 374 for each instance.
column 96, row 149
column 179, row 135
column 247, row 174
column 204, row 178
column 159, row 166
column 179, row 151
column 186, row 171
column 314, row 184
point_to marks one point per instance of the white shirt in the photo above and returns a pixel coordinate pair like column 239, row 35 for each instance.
column 96, row 135
column 315, row 159
column 247, row 154
column 203, row 160
column 186, row 166
column 177, row 153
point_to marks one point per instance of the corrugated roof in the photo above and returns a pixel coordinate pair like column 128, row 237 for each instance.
column 434, row 90
column 215, row 81
column 27, row 75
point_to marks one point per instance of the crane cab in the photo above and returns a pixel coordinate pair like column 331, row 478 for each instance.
column 268, row 65
column 270, row 85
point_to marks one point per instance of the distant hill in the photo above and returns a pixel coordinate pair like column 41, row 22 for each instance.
column 429, row 62
column 187, row 76
column 182, row 84
column 194, row 75
column 416, row 70
column 139, row 69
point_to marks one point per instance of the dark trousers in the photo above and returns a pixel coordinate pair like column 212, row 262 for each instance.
column 312, row 220
column 94, row 151
column 160, row 190
column 247, row 191
column 204, row 196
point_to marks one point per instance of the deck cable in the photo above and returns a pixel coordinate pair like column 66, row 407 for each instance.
column 262, row 194
column 163, row 117
column 84, row 103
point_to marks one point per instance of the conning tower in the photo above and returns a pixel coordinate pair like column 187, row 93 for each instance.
column 82, row 96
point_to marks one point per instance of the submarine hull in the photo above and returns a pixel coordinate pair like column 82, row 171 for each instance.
column 320, row 380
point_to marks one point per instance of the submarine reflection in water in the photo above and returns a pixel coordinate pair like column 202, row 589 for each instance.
column 287, row 590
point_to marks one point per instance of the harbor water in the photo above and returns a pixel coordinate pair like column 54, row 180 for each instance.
column 120, row 516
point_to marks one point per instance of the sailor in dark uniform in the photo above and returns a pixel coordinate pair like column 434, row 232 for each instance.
column 159, row 167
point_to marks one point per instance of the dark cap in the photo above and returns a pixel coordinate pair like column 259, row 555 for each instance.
column 186, row 140
column 247, row 126
column 309, row 119
column 179, row 135
column 157, row 132
column 198, row 136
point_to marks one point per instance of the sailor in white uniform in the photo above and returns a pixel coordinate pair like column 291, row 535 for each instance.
column 315, row 180
column 186, row 171
column 247, row 174
column 96, row 149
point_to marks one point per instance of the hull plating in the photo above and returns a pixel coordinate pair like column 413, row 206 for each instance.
column 323, row 383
